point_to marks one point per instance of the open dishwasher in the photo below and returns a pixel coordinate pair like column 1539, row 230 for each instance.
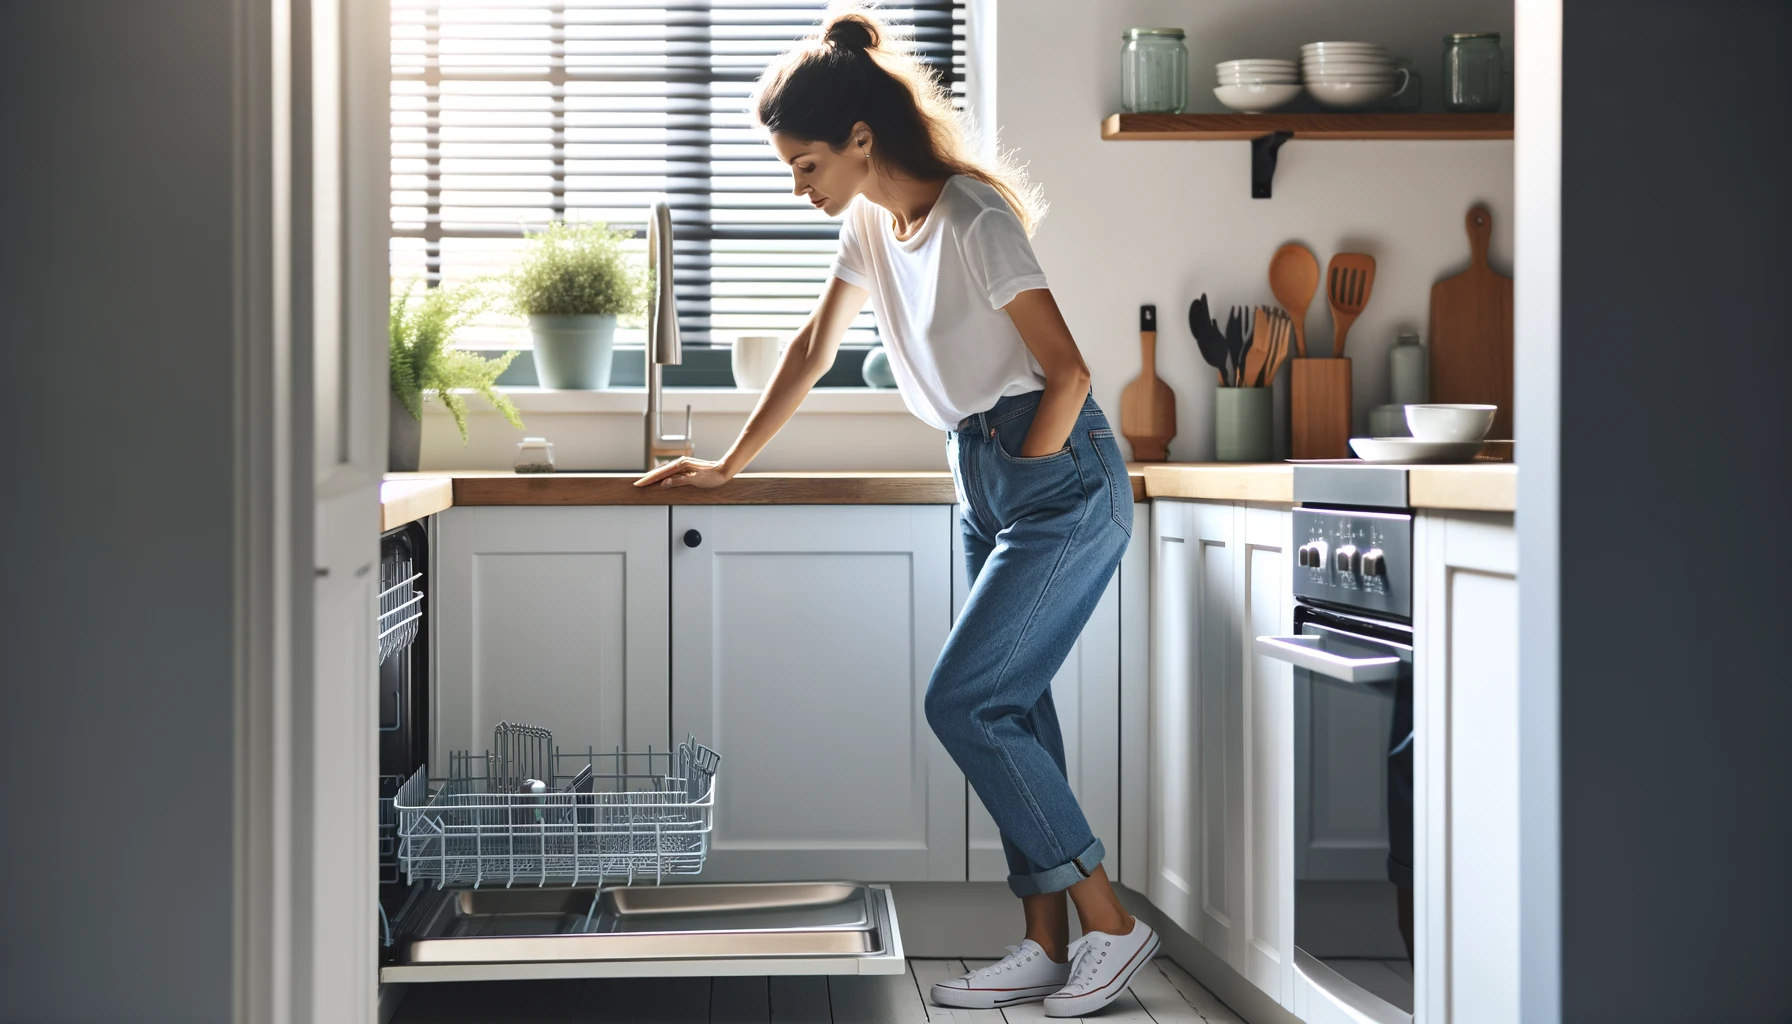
column 536, row 860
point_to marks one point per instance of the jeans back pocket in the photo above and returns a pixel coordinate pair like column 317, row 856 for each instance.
column 1119, row 482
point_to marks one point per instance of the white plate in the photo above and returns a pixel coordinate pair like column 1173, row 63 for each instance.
column 1411, row 449
column 1247, row 81
column 1324, row 47
column 1255, row 99
column 1265, row 62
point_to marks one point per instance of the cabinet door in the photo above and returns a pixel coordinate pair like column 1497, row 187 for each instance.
column 804, row 637
column 1086, row 692
column 551, row 616
column 1194, row 756
column 1265, row 601
column 1465, row 788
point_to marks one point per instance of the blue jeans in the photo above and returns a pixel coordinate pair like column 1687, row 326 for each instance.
column 1042, row 537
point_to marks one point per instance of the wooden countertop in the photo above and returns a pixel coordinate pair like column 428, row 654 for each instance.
column 919, row 487
column 406, row 497
column 1221, row 481
column 1481, row 487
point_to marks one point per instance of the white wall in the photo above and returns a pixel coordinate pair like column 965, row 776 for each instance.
column 1163, row 222
column 1137, row 222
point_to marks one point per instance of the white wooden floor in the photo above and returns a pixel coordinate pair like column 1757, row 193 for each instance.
column 1162, row 993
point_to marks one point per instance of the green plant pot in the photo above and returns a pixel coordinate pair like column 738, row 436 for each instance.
column 573, row 352
column 1242, row 429
column 876, row 369
column 404, row 437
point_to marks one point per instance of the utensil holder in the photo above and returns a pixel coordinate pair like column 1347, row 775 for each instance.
column 1242, row 430
column 1320, row 400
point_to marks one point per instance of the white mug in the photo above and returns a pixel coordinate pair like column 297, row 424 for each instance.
column 755, row 359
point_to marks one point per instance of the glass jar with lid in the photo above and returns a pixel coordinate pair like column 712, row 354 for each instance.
column 1474, row 73
column 1153, row 71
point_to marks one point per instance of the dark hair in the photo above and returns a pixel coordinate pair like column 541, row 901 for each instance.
column 848, row 73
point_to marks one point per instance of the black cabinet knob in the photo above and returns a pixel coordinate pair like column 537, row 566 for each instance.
column 692, row 538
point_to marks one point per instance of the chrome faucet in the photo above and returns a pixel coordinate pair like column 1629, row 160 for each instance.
column 663, row 348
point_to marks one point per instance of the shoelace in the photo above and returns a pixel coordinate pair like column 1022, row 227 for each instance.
column 1084, row 957
column 1013, row 960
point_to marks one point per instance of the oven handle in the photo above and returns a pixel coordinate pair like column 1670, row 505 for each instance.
column 1304, row 652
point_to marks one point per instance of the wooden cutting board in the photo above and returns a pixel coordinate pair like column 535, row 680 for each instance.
column 1148, row 406
column 1471, row 332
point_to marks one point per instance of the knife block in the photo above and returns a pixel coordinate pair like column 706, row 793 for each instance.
column 1319, row 401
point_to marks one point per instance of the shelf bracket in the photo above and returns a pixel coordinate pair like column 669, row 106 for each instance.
column 1263, row 161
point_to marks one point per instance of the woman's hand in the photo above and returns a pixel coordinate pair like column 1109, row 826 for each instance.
column 687, row 472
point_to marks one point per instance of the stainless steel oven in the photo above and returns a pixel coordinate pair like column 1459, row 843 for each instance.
column 1351, row 647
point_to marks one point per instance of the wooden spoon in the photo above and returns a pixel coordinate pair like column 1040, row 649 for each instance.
column 1257, row 356
column 1348, row 281
column 1293, row 277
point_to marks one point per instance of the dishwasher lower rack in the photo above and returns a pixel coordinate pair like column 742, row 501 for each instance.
column 626, row 815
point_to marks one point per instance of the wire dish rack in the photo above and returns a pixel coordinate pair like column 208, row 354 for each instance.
column 401, row 605
column 529, row 813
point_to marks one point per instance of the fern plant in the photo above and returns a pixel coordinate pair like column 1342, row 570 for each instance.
column 423, row 363
column 572, row 269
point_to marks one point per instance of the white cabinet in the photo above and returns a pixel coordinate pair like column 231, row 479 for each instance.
column 1465, row 793
column 1219, row 852
column 551, row 616
column 803, row 640
column 1086, row 692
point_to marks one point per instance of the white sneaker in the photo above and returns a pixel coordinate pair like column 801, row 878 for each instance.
column 1101, row 966
column 1025, row 975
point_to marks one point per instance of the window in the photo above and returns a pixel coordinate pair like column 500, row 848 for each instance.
column 508, row 115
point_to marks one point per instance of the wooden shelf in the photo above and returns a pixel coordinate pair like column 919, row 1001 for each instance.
column 1247, row 127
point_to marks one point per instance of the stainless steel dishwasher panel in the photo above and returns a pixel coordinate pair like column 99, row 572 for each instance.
column 679, row 930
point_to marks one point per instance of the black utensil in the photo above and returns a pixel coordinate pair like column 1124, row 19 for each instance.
column 1238, row 342
column 1208, row 337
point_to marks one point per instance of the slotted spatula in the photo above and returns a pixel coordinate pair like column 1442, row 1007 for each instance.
column 1348, row 280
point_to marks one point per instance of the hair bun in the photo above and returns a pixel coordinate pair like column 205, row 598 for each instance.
column 850, row 32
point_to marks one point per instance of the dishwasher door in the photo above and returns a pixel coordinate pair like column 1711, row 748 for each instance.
column 689, row 930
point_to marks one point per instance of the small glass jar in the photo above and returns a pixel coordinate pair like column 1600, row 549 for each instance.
column 1153, row 71
column 1474, row 73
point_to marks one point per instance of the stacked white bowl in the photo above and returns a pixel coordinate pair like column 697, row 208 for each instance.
column 1255, row 85
column 1349, row 75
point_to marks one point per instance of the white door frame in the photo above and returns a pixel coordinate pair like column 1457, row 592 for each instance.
column 286, row 461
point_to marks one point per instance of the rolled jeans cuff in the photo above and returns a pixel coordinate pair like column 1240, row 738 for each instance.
column 1061, row 877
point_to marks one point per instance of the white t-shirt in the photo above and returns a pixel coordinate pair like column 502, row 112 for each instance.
column 939, row 295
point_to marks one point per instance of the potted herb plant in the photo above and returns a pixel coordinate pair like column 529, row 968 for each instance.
column 574, row 280
column 423, row 363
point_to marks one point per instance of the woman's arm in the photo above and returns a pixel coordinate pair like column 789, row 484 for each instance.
column 1042, row 327
column 808, row 356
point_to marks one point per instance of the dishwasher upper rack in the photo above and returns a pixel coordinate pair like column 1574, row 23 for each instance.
column 401, row 604
column 637, row 816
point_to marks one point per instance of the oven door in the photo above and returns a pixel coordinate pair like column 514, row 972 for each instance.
column 1353, row 752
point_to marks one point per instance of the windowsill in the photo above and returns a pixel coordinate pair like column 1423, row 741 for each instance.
column 835, row 401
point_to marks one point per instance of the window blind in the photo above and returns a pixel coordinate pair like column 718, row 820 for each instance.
column 506, row 116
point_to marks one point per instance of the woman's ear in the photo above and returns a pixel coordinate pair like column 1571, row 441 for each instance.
column 861, row 139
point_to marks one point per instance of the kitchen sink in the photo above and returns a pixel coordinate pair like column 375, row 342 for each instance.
column 762, row 928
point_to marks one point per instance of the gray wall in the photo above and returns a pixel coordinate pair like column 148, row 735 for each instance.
column 115, row 631
column 1676, row 451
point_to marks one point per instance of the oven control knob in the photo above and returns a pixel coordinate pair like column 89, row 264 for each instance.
column 1374, row 563
column 1312, row 555
column 1345, row 559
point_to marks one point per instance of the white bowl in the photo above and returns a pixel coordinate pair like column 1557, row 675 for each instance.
column 1349, row 95
column 1411, row 449
column 1255, row 99
column 1270, row 62
column 1450, row 423
column 1326, row 47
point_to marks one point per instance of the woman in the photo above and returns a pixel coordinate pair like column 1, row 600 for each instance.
column 938, row 242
